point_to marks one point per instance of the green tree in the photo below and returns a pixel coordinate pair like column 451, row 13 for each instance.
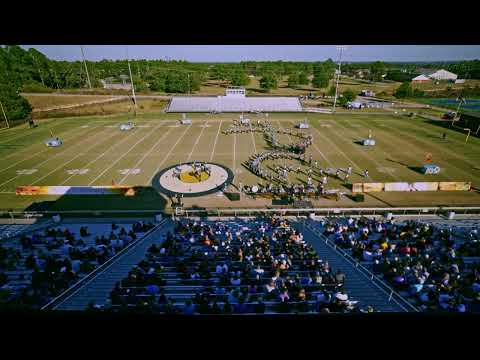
column 347, row 96
column 268, row 81
column 239, row 77
column 321, row 78
column 377, row 70
column 293, row 80
column 331, row 91
column 303, row 78
column 404, row 91
column 16, row 107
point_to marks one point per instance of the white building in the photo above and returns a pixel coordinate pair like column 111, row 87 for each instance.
column 421, row 78
column 443, row 75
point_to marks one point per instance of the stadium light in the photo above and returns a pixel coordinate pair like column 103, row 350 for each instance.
column 86, row 68
column 341, row 49
column 131, row 81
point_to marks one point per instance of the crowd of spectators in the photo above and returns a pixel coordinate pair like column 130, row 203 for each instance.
column 37, row 267
column 432, row 267
column 233, row 267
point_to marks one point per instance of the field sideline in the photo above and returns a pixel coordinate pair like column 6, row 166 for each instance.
column 96, row 152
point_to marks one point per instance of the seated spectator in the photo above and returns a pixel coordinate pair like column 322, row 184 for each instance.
column 189, row 308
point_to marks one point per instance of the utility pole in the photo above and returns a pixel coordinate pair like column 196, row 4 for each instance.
column 86, row 69
column 4, row 115
column 131, row 82
column 38, row 68
column 341, row 48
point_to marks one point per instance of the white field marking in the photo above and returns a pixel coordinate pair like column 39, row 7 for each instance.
column 168, row 154
column 26, row 171
column 325, row 125
column 370, row 157
column 84, row 126
column 102, row 154
column 173, row 126
column 234, row 149
column 253, row 140
column 146, row 154
column 450, row 164
column 37, row 153
column 216, row 138
column 133, row 171
column 123, row 155
column 196, row 142
column 77, row 171
column 28, row 134
column 43, row 162
column 144, row 126
column 338, row 149
column 95, row 143
column 280, row 127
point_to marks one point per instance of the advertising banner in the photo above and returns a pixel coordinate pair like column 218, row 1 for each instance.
column 424, row 186
column 75, row 190
column 357, row 187
column 373, row 187
column 455, row 186
column 397, row 186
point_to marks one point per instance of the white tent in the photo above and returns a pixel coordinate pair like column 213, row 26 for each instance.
column 443, row 75
column 421, row 78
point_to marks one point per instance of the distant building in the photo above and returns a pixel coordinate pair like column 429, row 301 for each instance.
column 367, row 93
column 421, row 79
column 460, row 81
column 107, row 84
column 443, row 75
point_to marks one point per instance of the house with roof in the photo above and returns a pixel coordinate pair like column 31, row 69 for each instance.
column 420, row 79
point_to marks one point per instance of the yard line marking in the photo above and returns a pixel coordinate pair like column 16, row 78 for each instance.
column 29, row 133
column 440, row 149
column 338, row 148
column 168, row 154
column 234, row 150
column 83, row 131
column 366, row 155
column 253, row 139
column 75, row 157
column 46, row 160
column 215, row 143
column 101, row 155
column 196, row 142
column 146, row 154
column 123, row 155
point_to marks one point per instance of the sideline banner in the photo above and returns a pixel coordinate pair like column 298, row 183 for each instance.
column 75, row 190
column 455, row 186
column 397, row 186
column 416, row 186
column 373, row 187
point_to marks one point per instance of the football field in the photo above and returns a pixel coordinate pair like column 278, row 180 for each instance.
column 95, row 152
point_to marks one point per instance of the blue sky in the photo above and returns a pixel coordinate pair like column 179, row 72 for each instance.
column 235, row 53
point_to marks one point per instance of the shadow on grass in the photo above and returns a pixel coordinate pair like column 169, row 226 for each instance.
column 417, row 169
column 145, row 198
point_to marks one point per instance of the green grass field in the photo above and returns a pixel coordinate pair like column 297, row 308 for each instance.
column 96, row 152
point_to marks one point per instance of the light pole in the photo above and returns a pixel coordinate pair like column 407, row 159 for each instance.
column 341, row 48
column 131, row 81
column 86, row 69
column 4, row 115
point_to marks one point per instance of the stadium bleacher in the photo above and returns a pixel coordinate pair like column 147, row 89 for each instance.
column 236, row 266
column 435, row 267
column 234, row 104
column 36, row 266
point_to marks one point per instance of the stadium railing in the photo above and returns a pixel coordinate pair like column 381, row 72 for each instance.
column 51, row 305
column 379, row 283
column 182, row 212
